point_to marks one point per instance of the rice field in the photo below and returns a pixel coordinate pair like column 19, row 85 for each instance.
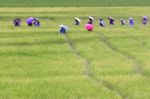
column 107, row 63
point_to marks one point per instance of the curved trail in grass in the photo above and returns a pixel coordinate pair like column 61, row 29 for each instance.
column 137, row 68
column 90, row 74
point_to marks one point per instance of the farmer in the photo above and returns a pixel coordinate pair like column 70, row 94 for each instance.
column 111, row 21
column 63, row 29
column 145, row 20
column 77, row 21
column 30, row 21
column 101, row 22
column 36, row 22
column 17, row 22
column 89, row 26
column 131, row 21
column 123, row 22
column 91, row 19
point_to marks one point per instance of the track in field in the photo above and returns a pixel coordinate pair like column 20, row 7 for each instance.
column 90, row 74
column 137, row 67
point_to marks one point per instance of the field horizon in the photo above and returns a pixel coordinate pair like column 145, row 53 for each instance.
column 73, row 3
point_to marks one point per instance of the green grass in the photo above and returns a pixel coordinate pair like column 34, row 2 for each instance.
column 70, row 3
column 108, row 63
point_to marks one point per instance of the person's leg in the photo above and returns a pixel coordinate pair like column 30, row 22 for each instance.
column 29, row 24
column 101, row 25
column 62, row 30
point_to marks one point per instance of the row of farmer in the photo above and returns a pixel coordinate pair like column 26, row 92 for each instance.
column 112, row 21
column 35, row 21
column 89, row 25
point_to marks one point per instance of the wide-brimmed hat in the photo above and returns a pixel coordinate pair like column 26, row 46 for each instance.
column 90, row 17
column 76, row 18
column 64, row 26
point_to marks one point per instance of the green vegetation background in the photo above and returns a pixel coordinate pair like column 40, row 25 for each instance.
column 69, row 3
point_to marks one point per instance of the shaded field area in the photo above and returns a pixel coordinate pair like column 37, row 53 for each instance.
column 72, row 3
column 108, row 63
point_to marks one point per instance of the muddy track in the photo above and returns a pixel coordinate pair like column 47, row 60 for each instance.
column 90, row 74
